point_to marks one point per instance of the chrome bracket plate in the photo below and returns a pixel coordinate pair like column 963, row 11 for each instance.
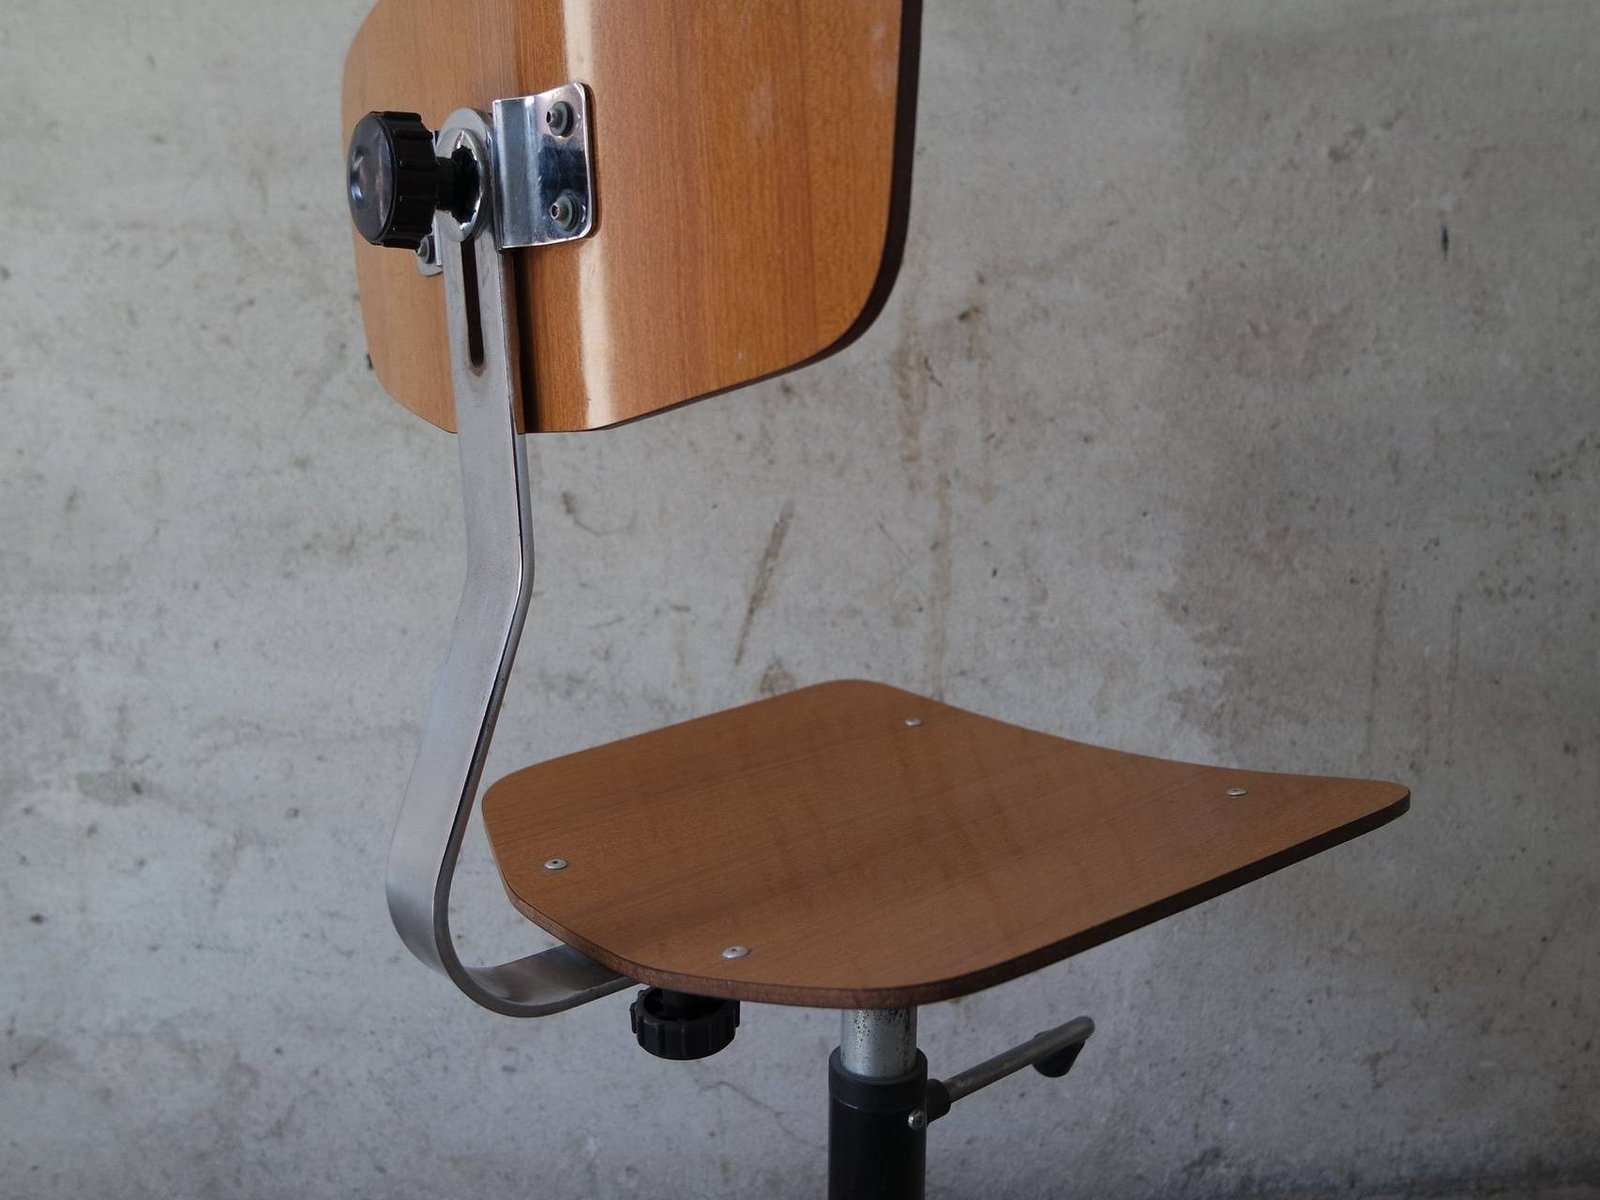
column 465, row 703
column 543, row 179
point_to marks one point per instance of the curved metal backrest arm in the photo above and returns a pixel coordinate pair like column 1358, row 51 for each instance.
column 483, row 642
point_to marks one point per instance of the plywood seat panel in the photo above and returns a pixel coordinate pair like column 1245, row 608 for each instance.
column 873, row 848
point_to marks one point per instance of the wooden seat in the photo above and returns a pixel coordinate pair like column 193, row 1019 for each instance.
column 874, row 849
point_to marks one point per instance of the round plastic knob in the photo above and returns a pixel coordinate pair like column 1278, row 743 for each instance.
column 395, row 179
column 680, row 1026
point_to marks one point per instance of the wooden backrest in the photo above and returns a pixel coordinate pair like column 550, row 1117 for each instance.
column 752, row 173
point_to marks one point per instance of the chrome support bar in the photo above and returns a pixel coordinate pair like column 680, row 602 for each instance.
column 877, row 1100
column 878, row 1042
column 483, row 642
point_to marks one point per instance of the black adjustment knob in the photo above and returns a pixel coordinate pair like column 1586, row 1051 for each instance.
column 396, row 181
column 680, row 1026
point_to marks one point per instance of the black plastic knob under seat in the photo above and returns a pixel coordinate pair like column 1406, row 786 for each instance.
column 680, row 1026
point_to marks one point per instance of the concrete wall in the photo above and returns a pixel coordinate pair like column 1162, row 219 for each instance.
column 1237, row 401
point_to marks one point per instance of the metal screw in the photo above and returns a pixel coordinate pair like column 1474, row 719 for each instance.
column 736, row 952
column 1238, row 791
column 913, row 722
column 917, row 1120
column 555, row 864
column 429, row 261
column 566, row 211
column 558, row 117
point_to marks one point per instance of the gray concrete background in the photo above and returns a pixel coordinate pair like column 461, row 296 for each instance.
column 1183, row 433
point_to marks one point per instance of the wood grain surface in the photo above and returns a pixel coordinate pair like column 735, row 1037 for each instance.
column 871, row 863
column 752, row 168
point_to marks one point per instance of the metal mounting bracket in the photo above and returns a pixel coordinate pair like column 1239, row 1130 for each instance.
column 541, row 156
column 494, row 602
column 543, row 182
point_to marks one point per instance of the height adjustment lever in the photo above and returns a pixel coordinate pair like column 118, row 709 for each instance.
column 1051, row 1053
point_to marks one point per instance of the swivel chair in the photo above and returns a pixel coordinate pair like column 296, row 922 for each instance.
column 573, row 216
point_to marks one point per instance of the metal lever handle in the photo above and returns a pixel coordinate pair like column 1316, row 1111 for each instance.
column 1052, row 1053
column 483, row 642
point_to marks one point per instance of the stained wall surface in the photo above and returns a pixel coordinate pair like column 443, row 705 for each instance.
column 1238, row 402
